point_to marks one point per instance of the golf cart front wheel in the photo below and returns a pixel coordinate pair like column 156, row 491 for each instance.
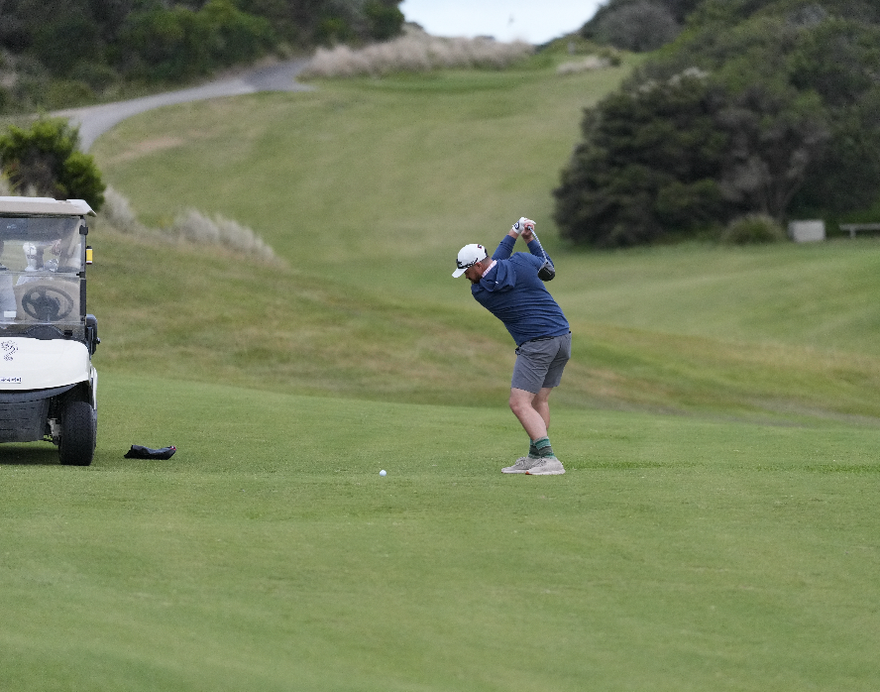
column 78, row 434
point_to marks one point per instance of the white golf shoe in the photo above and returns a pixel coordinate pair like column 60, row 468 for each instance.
column 522, row 465
column 546, row 466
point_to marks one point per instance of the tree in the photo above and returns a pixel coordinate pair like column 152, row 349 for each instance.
column 794, row 96
column 45, row 159
column 385, row 19
column 650, row 164
column 638, row 26
column 775, row 132
column 84, row 47
column 845, row 176
column 236, row 36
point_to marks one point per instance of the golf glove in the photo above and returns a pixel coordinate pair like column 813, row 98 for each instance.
column 522, row 224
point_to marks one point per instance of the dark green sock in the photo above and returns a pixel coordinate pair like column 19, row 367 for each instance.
column 543, row 447
column 533, row 451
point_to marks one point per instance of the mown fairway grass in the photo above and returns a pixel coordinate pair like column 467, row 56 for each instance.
column 675, row 554
column 716, row 528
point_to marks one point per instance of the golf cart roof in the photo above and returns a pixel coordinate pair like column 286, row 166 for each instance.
column 40, row 206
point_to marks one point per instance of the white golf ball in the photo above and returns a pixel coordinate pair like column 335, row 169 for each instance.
column 382, row 472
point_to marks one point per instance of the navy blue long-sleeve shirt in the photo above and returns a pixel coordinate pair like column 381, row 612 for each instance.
column 512, row 291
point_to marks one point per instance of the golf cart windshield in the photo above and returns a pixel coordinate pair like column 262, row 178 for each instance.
column 42, row 274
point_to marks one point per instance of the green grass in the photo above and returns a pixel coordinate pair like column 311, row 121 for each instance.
column 715, row 529
column 695, row 329
column 675, row 554
column 368, row 188
column 355, row 167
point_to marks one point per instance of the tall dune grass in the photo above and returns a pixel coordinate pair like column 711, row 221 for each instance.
column 189, row 226
column 591, row 62
column 195, row 227
column 415, row 51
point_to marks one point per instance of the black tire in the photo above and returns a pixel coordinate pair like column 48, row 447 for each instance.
column 78, row 434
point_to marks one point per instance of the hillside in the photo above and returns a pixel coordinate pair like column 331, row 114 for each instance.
column 369, row 187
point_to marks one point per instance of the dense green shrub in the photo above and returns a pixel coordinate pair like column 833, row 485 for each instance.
column 791, row 92
column 334, row 30
column 71, row 38
column 45, row 160
column 102, row 44
column 638, row 26
column 753, row 228
column 385, row 19
column 235, row 37
column 177, row 43
column 163, row 44
column 99, row 77
column 63, row 93
column 650, row 162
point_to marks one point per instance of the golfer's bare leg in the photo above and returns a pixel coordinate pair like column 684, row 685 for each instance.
column 532, row 411
column 542, row 405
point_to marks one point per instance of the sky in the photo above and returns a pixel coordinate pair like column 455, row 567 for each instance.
column 536, row 21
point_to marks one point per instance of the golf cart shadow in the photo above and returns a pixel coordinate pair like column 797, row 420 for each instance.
column 28, row 455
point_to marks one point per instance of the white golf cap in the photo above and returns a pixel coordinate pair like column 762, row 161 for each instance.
column 468, row 256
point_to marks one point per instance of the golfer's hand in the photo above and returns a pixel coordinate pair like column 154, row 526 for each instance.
column 522, row 226
column 528, row 229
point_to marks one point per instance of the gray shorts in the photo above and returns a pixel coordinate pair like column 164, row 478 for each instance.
column 540, row 363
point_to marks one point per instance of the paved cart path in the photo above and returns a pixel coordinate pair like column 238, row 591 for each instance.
column 93, row 121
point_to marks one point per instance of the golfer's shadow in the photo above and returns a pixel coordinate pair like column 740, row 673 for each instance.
column 28, row 455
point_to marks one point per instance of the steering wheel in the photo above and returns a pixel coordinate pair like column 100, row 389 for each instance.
column 46, row 303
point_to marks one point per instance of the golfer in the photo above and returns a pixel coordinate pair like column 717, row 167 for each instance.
column 509, row 287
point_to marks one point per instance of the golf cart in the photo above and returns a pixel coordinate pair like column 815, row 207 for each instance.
column 48, row 386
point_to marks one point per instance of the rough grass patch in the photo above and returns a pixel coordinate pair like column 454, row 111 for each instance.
column 415, row 51
column 194, row 226
column 591, row 62
column 191, row 226
column 118, row 213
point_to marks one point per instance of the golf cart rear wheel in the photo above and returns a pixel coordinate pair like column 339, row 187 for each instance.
column 78, row 433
